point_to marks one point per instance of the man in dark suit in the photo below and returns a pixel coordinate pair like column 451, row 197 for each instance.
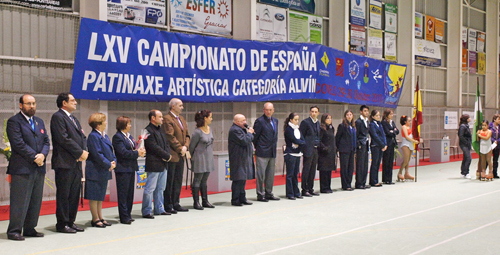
column 362, row 134
column 309, row 128
column 175, row 126
column 240, row 158
column 157, row 158
column 69, row 150
column 265, row 139
column 30, row 145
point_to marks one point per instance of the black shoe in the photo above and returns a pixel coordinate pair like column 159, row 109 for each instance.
column 389, row 183
column 181, row 209
column 236, row 204
column 132, row 220
column 300, row 197
column 262, row 199
column 207, row 204
column 16, row 237
column 496, row 177
column 377, row 185
column 165, row 213
column 97, row 225
column 273, row 198
column 34, row 234
column 149, row 216
column 360, row 187
column 306, row 194
column 66, row 230
column 75, row 227
column 327, row 191
column 171, row 211
column 291, row 198
column 106, row 223
column 314, row 193
column 348, row 189
column 128, row 222
column 367, row 186
column 247, row 203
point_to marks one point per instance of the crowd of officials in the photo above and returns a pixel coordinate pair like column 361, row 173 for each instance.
column 167, row 144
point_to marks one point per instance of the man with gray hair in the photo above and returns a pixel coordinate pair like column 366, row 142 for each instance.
column 265, row 139
column 178, row 138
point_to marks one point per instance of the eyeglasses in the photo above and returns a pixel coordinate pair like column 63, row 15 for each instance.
column 30, row 104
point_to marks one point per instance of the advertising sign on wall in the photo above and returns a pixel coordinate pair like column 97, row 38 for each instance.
column 145, row 12
column 481, row 39
column 376, row 14
column 271, row 23
column 300, row 5
column 472, row 39
column 429, row 28
column 305, row 27
column 375, row 45
column 391, row 18
column 214, row 16
column 390, row 47
column 439, row 34
column 464, row 60
column 144, row 64
column 464, row 37
column 427, row 53
column 419, row 25
column 450, row 120
column 59, row 5
column 358, row 12
column 472, row 62
column 358, row 40
column 481, row 63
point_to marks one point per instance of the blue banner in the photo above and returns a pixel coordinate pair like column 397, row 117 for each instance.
column 129, row 63
column 301, row 5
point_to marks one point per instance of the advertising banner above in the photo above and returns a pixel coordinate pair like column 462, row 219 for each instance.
column 300, row 5
column 57, row 5
column 128, row 63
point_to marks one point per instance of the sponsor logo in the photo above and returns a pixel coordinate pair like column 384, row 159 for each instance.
column 152, row 15
column 223, row 9
column 353, row 69
column 324, row 73
column 325, row 59
column 339, row 62
column 358, row 2
column 315, row 23
column 430, row 25
column 279, row 16
column 176, row 3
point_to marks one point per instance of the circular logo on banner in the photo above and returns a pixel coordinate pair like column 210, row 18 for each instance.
column 353, row 69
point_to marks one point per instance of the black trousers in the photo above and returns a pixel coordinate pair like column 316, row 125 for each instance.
column 68, row 184
column 495, row 153
column 464, row 169
column 346, row 168
column 361, row 166
column 388, row 164
column 26, row 192
column 375, row 166
column 125, row 184
column 174, row 184
column 238, row 194
column 325, row 181
column 309, row 172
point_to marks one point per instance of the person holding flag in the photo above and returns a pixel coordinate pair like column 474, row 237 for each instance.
column 407, row 146
column 478, row 120
column 485, row 150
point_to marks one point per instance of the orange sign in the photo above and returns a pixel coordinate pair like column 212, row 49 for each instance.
column 464, row 60
column 439, row 31
column 430, row 23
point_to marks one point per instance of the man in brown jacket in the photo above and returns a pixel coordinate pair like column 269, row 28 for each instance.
column 178, row 137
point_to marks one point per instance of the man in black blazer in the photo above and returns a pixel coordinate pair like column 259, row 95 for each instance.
column 157, row 157
column 265, row 139
column 362, row 134
column 30, row 145
column 309, row 128
column 69, row 150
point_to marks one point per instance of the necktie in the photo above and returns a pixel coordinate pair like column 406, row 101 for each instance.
column 180, row 122
column 272, row 124
column 73, row 119
column 32, row 124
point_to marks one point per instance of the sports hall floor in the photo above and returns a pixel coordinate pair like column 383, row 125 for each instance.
column 439, row 214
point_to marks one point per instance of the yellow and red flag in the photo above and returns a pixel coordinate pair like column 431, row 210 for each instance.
column 417, row 116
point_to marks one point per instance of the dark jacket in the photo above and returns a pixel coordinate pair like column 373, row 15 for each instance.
column 495, row 133
column 100, row 157
column 26, row 143
column 391, row 131
column 377, row 134
column 126, row 155
column 362, row 132
column 265, row 137
column 290, row 138
column 240, row 153
column 68, row 141
column 310, row 131
column 327, row 160
column 343, row 138
column 157, row 149
column 464, row 136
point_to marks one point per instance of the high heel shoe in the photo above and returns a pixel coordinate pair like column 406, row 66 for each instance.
column 105, row 223
column 96, row 224
column 409, row 177
column 400, row 178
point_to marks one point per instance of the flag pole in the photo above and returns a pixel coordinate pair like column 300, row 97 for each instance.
column 416, row 149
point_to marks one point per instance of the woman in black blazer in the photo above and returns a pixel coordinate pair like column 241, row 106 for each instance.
column 346, row 143
column 327, row 160
column 391, row 131
column 126, row 157
column 378, row 146
column 294, row 141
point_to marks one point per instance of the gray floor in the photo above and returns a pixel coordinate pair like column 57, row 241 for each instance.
column 439, row 214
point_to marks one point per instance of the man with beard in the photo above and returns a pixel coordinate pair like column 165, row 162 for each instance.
column 30, row 145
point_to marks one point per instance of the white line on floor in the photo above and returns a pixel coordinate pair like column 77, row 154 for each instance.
column 378, row 223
